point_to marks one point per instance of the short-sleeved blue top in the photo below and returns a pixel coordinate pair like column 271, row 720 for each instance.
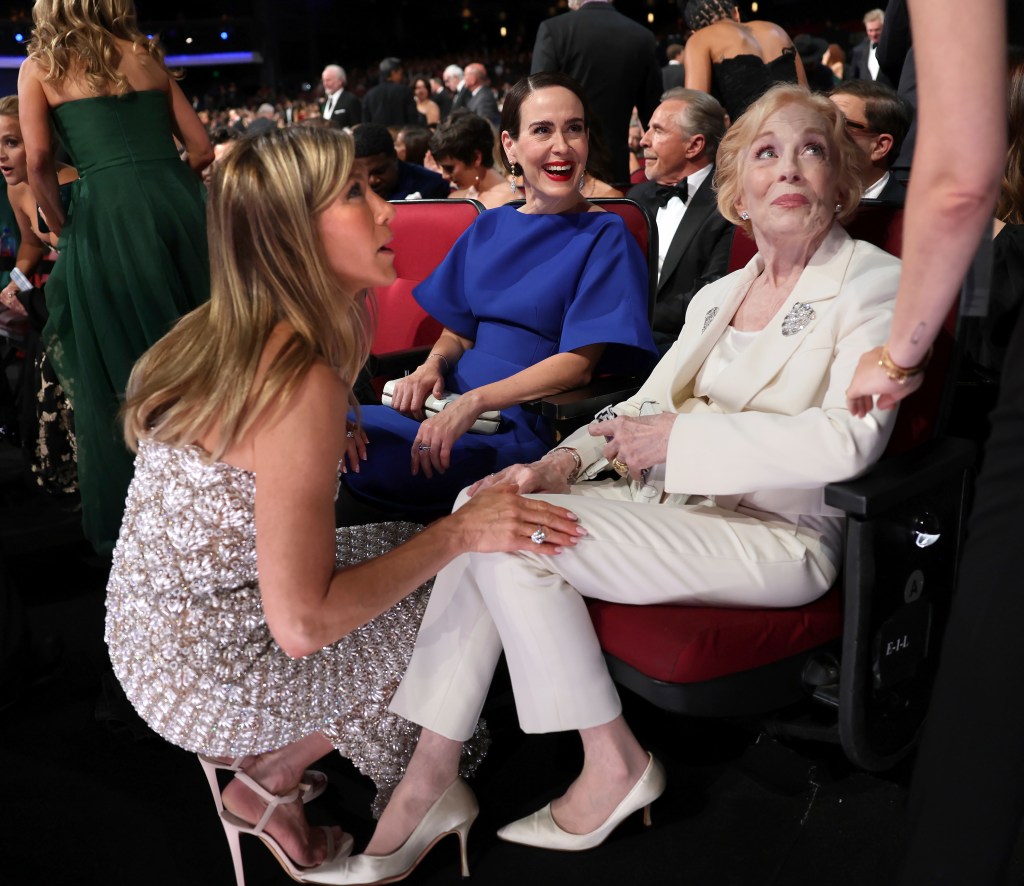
column 522, row 287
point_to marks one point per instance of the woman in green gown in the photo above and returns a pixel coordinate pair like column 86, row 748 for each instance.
column 132, row 231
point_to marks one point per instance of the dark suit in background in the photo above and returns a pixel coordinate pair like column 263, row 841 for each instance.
column 896, row 58
column 614, row 59
column 697, row 255
column 859, row 64
column 390, row 104
column 347, row 111
column 444, row 99
column 673, row 76
column 483, row 104
column 893, row 194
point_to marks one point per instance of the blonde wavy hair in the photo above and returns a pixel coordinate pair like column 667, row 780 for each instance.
column 77, row 38
column 9, row 106
column 843, row 152
column 268, row 266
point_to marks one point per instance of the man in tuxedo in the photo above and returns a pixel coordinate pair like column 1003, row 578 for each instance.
column 441, row 96
column 673, row 74
column 693, row 238
column 878, row 120
column 455, row 84
column 863, row 60
column 614, row 59
column 390, row 102
column 479, row 98
column 341, row 108
column 391, row 178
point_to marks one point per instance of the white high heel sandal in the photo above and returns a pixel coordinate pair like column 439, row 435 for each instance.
column 313, row 784
column 235, row 826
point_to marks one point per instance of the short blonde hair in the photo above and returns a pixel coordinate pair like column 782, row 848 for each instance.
column 76, row 37
column 267, row 266
column 732, row 153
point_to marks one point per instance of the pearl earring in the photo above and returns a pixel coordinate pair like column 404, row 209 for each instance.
column 839, row 207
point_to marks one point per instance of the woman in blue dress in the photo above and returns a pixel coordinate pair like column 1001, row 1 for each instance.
column 534, row 301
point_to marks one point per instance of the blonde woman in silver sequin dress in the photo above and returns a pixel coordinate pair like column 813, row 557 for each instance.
column 241, row 624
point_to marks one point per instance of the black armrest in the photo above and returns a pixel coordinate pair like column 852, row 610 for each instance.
column 395, row 364
column 895, row 479
column 582, row 403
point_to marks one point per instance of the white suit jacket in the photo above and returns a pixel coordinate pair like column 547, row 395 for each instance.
column 774, row 429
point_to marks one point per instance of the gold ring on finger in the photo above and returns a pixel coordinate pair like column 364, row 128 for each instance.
column 621, row 468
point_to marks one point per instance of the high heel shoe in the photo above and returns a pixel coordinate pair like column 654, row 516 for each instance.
column 541, row 829
column 235, row 826
column 313, row 784
column 452, row 813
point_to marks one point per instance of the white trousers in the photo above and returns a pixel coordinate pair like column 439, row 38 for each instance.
column 532, row 604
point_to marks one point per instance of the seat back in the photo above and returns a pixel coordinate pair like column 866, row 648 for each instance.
column 424, row 232
column 644, row 231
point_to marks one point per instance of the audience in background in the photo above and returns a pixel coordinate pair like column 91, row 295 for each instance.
column 391, row 178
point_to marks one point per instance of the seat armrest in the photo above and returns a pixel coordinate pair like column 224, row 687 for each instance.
column 395, row 364
column 897, row 478
column 582, row 403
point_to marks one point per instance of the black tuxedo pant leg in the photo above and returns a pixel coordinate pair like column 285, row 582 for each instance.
column 967, row 796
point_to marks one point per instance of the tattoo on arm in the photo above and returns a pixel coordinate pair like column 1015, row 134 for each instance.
column 918, row 333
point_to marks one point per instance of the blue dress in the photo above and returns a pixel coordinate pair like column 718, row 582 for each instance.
column 523, row 288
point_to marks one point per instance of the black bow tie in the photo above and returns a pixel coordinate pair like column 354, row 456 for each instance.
column 664, row 193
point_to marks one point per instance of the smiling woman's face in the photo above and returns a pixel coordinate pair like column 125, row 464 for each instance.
column 788, row 178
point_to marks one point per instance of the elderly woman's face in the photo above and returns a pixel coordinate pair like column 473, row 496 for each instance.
column 787, row 178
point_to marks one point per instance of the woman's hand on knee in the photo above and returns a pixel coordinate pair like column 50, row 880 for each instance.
column 500, row 519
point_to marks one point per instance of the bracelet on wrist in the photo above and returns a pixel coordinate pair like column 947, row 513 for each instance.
column 442, row 358
column 577, row 468
column 901, row 374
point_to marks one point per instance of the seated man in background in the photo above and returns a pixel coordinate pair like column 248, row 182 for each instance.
column 391, row 178
column 679, row 150
column 878, row 120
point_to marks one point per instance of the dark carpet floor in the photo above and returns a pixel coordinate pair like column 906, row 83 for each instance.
column 89, row 796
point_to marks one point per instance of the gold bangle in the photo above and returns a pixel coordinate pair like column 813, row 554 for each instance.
column 577, row 467
column 900, row 374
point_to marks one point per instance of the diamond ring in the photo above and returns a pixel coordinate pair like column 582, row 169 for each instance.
column 621, row 468
column 538, row 536
column 350, row 434
column 422, row 447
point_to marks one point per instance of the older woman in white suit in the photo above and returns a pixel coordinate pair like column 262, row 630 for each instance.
column 724, row 455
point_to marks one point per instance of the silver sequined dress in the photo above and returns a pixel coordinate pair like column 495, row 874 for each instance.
column 189, row 644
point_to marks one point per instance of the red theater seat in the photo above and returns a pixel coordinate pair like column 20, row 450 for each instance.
column 864, row 652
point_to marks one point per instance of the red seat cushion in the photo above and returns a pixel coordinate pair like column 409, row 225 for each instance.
column 688, row 644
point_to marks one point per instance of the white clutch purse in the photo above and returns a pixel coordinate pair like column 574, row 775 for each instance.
column 486, row 423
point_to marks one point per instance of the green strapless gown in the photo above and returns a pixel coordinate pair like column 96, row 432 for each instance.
column 133, row 259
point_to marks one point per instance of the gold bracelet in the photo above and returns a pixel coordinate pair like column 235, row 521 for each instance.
column 900, row 374
column 577, row 467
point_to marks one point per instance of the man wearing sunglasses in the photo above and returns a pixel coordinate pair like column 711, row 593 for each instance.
column 877, row 119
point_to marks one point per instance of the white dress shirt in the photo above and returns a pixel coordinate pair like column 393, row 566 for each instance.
column 332, row 100
column 872, row 192
column 670, row 215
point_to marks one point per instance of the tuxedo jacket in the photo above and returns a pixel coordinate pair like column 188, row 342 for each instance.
column 390, row 104
column 774, row 429
column 348, row 111
column 614, row 59
column 697, row 255
column 893, row 194
column 483, row 104
column 859, row 64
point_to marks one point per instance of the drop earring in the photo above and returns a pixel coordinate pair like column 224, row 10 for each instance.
column 582, row 181
column 517, row 171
